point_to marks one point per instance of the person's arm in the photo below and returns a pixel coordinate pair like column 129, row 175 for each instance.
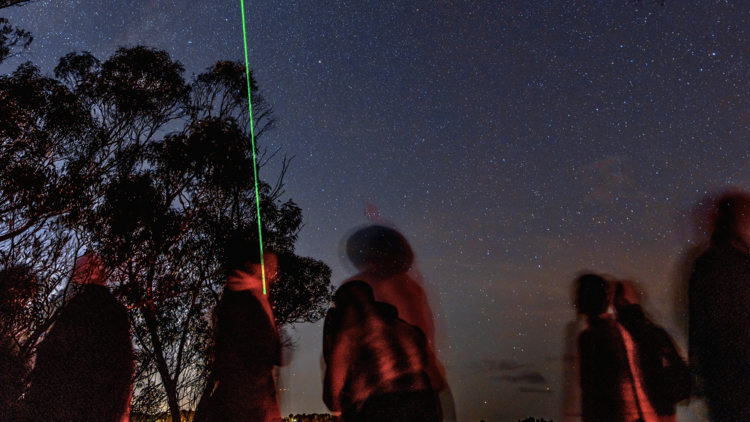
column 337, row 371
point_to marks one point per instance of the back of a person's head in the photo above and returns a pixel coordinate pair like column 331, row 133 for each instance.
column 732, row 214
column 381, row 249
column 238, row 250
column 353, row 293
column 89, row 270
column 592, row 295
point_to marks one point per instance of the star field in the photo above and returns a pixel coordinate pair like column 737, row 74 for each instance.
column 514, row 143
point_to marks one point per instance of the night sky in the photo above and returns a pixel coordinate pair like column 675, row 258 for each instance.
column 514, row 143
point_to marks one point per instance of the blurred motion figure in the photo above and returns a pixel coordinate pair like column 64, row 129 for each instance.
column 377, row 365
column 84, row 365
column 611, row 382
column 247, row 345
column 719, row 293
column 571, row 389
column 666, row 377
column 385, row 261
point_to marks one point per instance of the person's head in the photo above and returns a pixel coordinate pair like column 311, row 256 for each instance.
column 241, row 254
column 89, row 269
column 354, row 293
column 592, row 295
column 380, row 249
column 626, row 293
column 732, row 218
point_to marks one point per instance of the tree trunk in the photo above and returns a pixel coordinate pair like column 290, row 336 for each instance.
column 170, row 385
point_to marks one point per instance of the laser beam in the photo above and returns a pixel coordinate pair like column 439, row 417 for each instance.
column 252, row 138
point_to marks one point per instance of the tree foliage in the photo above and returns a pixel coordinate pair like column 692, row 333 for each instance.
column 11, row 37
column 154, row 173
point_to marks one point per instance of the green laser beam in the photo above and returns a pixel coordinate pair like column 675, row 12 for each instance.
column 252, row 138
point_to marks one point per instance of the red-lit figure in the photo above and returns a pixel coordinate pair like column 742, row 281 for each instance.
column 84, row 366
column 247, row 345
column 377, row 365
column 611, row 383
column 666, row 376
column 384, row 258
column 385, row 262
column 719, row 294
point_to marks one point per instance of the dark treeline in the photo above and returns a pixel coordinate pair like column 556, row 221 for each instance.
column 313, row 417
column 153, row 173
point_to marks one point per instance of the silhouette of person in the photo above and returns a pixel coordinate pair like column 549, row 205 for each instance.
column 719, row 293
column 377, row 364
column 611, row 387
column 666, row 377
column 571, row 391
column 84, row 366
column 247, row 345
column 18, row 286
column 384, row 258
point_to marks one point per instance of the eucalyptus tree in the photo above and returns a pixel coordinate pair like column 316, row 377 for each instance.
column 154, row 173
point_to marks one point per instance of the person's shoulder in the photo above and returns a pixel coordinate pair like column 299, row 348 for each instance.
column 104, row 298
column 601, row 328
column 332, row 316
column 720, row 253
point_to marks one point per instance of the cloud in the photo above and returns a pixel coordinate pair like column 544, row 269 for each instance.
column 530, row 377
column 494, row 366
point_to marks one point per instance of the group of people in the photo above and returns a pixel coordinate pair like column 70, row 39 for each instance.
column 379, row 336
column 631, row 371
column 378, row 346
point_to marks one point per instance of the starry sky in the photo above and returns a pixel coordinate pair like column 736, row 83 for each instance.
column 514, row 143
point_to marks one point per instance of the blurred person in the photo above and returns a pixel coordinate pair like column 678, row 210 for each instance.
column 383, row 258
column 719, row 310
column 611, row 384
column 377, row 365
column 571, row 391
column 666, row 376
column 84, row 366
column 18, row 286
column 385, row 261
column 246, row 344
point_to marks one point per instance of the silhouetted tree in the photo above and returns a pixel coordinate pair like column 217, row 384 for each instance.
column 10, row 36
column 154, row 173
column 9, row 3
